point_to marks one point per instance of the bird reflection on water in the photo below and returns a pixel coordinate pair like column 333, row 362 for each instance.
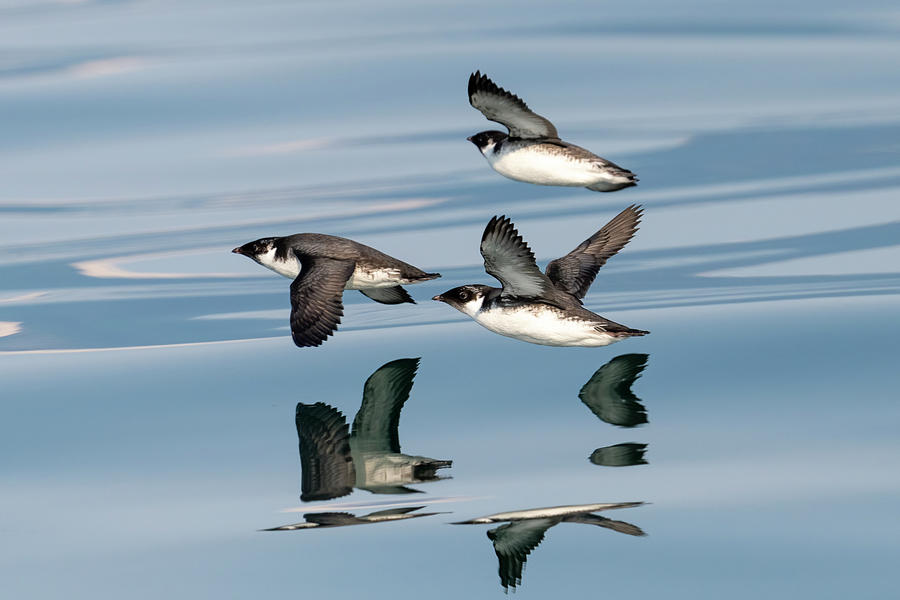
column 620, row 455
column 608, row 394
column 343, row 519
column 334, row 459
column 525, row 531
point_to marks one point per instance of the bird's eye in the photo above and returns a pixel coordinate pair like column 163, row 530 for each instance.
column 464, row 295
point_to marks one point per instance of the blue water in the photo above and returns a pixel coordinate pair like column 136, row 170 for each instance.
column 148, row 382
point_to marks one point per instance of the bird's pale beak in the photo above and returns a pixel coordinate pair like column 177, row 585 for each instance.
column 439, row 298
column 237, row 250
column 469, row 139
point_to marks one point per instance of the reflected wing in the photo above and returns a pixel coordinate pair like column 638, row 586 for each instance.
column 325, row 462
column 575, row 272
column 392, row 512
column 608, row 393
column 332, row 519
column 390, row 489
column 513, row 543
column 620, row 526
column 620, row 455
column 500, row 106
column 291, row 527
column 386, row 391
column 509, row 259
column 316, row 306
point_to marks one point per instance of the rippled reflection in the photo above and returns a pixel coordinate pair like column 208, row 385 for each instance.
column 334, row 459
column 608, row 393
column 343, row 519
column 620, row 455
column 525, row 531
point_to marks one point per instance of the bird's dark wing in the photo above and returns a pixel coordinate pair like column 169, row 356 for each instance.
column 392, row 512
column 608, row 393
column 333, row 519
column 388, row 295
column 326, row 466
column 509, row 259
column 498, row 105
column 390, row 489
column 513, row 543
column 620, row 526
column 316, row 298
column 574, row 273
column 386, row 391
column 620, row 455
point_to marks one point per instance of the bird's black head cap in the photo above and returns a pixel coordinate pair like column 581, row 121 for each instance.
column 487, row 138
column 256, row 247
column 463, row 294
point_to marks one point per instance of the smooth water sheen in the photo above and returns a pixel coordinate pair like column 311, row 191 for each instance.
column 148, row 382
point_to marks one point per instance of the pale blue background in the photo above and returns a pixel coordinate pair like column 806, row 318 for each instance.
column 147, row 398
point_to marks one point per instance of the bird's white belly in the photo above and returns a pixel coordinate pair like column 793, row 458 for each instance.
column 373, row 278
column 543, row 168
column 384, row 469
column 362, row 279
column 542, row 326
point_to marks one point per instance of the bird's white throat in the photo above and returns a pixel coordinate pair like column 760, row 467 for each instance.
column 290, row 267
column 488, row 149
column 471, row 307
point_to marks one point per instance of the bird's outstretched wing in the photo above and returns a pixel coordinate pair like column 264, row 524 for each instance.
column 509, row 259
column 499, row 105
column 620, row 526
column 620, row 455
column 325, row 462
column 375, row 427
column 316, row 298
column 575, row 272
column 513, row 543
column 393, row 512
column 608, row 393
column 333, row 519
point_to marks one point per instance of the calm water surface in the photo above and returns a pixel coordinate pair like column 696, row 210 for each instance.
column 148, row 384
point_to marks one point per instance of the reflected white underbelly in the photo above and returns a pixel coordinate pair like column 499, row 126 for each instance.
column 542, row 325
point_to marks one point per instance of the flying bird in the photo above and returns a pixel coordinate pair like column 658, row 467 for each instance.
column 525, row 531
column 532, row 151
column 322, row 267
column 334, row 459
column 544, row 308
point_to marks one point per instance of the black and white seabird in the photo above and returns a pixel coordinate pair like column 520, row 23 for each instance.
column 334, row 460
column 532, row 151
column 322, row 267
column 544, row 308
column 343, row 519
column 525, row 531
